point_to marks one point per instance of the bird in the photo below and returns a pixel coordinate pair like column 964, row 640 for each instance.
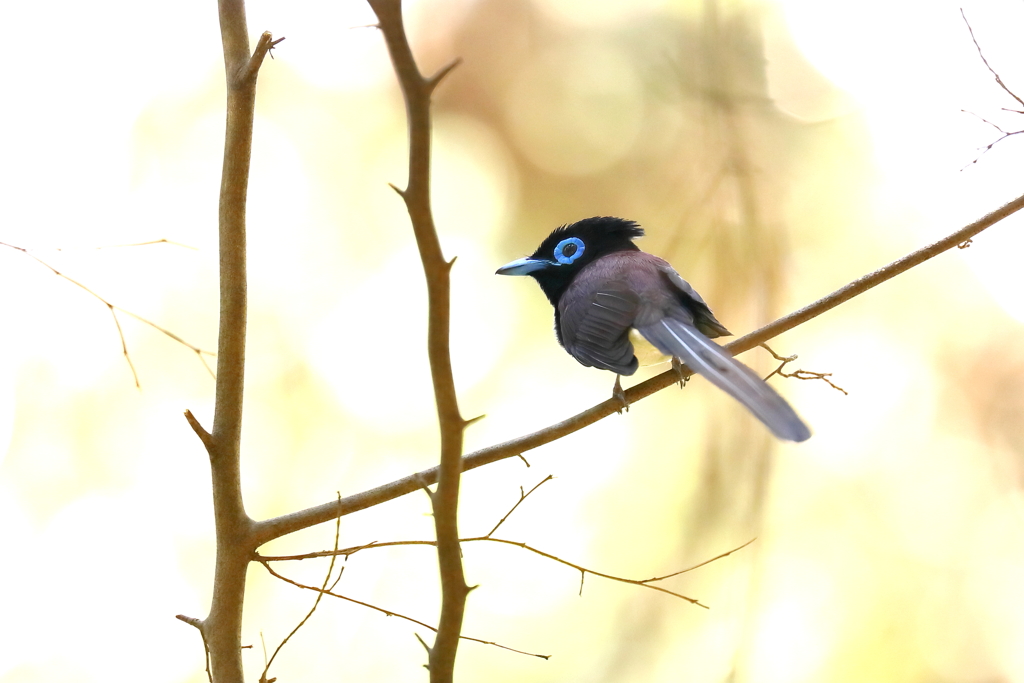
column 606, row 292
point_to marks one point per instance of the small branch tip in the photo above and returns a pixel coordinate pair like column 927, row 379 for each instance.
column 203, row 435
column 436, row 79
column 191, row 621
column 472, row 420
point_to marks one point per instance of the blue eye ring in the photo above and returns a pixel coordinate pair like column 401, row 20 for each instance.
column 566, row 259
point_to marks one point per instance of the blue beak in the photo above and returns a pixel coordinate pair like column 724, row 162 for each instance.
column 523, row 266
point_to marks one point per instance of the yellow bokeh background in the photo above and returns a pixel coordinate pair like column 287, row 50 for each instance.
column 773, row 150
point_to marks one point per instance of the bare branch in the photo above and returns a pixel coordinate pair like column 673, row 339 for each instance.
column 522, row 497
column 163, row 240
column 200, row 431
column 316, row 603
column 113, row 311
column 198, row 623
column 279, row 526
column 645, row 583
column 799, row 374
column 234, row 528
column 416, row 91
column 700, row 564
column 987, row 65
column 1004, row 134
column 386, row 612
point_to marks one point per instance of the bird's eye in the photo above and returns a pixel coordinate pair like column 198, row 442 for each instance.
column 568, row 250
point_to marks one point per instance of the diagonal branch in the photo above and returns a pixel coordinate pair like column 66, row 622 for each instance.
column 416, row 90
column 987, row 65
column 276, row 527
column 114, row 309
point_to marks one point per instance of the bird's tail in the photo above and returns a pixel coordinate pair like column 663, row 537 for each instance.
column 707, row 358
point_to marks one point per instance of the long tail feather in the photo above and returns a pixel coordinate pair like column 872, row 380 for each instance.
column 728, row 374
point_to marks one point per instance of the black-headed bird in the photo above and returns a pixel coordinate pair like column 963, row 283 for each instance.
column 603, row 288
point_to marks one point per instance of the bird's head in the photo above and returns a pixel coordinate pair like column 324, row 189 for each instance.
column 568, row 249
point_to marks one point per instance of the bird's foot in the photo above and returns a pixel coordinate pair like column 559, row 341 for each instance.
column 620, row 395
column 678, row 367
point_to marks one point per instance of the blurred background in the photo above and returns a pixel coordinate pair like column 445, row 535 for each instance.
column 773, row 150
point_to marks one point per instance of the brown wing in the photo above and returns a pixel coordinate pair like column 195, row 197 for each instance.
column 595, row 331
column 703, row 319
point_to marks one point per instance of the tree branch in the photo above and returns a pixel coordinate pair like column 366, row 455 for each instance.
column 276, row 527
column 114, row 308
column 416, row 91
column 234, row 529
column 389, row 613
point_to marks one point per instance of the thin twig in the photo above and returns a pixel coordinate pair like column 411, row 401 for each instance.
column 799, row 374
column 113, row 308
column 132, row 244
column 645, row 583
column 522, row 497
column 386, row 612
column 987, row 65
column 586, row 570
column 1004, row 134
column 316, row 603
column 700, row 564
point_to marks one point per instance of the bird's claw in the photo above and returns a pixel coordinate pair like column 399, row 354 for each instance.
column 620, row 395
column 678, row 367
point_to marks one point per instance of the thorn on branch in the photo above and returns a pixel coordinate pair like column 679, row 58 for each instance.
column 198, row 623
column 401, row 193
column 431, row 83
column 424, row 644
column 252, row 67
column 191, row 621
column 201, row 432
column 521, row 457
column 472, row 420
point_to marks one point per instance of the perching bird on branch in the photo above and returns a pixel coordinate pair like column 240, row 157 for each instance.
column 604, row 288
